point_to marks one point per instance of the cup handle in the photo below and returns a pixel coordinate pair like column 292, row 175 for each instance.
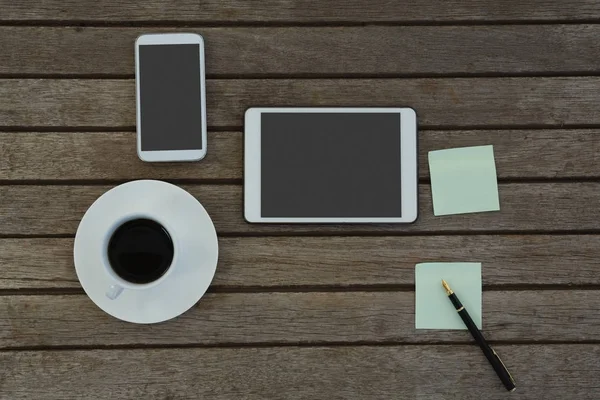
column 114, row 291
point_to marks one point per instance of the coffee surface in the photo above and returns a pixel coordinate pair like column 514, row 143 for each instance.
column 140, row 251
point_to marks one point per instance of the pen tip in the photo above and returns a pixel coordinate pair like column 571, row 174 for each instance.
column 446, row 287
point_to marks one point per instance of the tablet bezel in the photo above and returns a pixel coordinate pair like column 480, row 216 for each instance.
column 252, row 165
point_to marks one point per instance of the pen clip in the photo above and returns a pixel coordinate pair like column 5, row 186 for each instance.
column 506, row 369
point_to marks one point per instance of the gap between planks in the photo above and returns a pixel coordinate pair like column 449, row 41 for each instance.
column 237, row 128
column 318, row 76
column 315, row 289
column 83, row 23
column 234, row 181
column 259, row 345
column 317, row 234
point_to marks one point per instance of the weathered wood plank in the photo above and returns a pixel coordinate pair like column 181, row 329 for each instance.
column 519, row 154
column 420, row 50
column 251, row 318
column 439, row 102
column 87, row 156
column 339, row 261
column 309, row 11
column 547, row 207
column 365, row 372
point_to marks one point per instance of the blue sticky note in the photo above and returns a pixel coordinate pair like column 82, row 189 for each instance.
column 463, row 180
column 433, row 309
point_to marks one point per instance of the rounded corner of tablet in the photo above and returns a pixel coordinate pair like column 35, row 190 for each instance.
column 413, row 218
column 249, row 112
column 251, row 219
column 412, row 112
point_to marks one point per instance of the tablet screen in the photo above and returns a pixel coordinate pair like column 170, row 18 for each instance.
column 345, row 165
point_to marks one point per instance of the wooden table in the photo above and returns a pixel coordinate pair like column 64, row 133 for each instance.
column 308, row 312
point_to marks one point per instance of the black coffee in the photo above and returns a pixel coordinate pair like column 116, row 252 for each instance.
column 140, row 251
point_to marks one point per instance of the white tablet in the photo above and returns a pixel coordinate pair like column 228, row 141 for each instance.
column 330, row 165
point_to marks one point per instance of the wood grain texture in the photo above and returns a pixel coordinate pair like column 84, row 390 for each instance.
column 264, row 262
column 547, row 207
column 519, row 154
column 522, row 76
column 366, row 372
column 110, row 156
column 482, row 102
column 312, row 317
column 414, row 50
column 300, row 11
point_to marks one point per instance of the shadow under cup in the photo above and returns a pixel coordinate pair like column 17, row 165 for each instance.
column 140, row 251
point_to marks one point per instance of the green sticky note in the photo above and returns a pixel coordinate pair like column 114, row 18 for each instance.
column 463, row 180
column 433, row 309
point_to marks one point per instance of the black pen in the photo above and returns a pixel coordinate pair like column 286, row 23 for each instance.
column 490, row 354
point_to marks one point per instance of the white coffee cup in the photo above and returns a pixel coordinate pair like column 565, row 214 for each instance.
column 133, row 226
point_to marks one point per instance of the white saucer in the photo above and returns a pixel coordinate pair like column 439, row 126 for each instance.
column 192, row 231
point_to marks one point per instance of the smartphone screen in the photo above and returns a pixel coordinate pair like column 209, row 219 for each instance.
column 170, row 97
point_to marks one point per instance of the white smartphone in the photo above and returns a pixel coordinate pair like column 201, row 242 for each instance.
column 170, row 97
column 330, row 165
